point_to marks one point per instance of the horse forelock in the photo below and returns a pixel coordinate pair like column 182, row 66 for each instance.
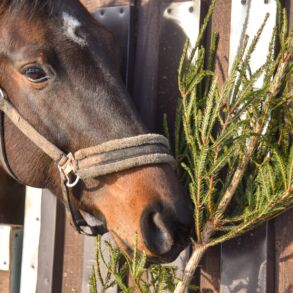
column 32, row 7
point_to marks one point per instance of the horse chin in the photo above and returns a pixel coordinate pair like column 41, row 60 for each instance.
column 152, row 258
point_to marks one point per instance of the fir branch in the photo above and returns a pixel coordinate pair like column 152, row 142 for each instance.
column 273, row 91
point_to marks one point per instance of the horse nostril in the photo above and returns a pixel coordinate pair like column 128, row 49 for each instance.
column 163, row 235
column 156, row 234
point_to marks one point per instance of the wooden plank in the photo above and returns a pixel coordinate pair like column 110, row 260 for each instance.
column 147, row 57
column 284, row 227
column 32, row 227
column 73, row 260
column 4, row 281
column 10, row 258
column 210, row 271
column 11, row 200
column 16, row 238
column 284, row 252
column 220, row 23
column 46, row 255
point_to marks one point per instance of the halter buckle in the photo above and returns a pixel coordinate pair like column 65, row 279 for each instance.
column 69, row 168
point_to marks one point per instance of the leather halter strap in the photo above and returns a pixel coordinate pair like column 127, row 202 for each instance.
column 103, row 159
column 3, row 158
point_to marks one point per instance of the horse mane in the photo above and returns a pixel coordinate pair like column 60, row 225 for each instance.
column 32, row 7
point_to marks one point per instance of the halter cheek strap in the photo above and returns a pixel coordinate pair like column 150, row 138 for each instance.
column 3, row 157
column 103, row 159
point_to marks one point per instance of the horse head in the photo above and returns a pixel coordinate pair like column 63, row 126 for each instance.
column 61, row 70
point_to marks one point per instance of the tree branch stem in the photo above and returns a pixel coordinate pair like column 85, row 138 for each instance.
column 190, row 268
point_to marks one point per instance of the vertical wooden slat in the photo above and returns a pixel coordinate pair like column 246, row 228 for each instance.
column 73, row 260
column 10, row 258
column 220, row 23
column 4, row 282
column 147, row 58
column 4, row 258
column 284, row 253
column 210, row 271
column 16, row 238
column 284, row 227
column 46, row 255
column 32, row 228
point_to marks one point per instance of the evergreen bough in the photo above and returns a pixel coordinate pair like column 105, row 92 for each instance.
column 235, row 143
column 234, row 146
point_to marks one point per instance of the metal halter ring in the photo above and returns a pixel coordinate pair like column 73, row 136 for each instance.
column 68, row 183
column 73, row 184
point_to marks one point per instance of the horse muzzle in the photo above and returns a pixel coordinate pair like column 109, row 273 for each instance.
column 165, row 232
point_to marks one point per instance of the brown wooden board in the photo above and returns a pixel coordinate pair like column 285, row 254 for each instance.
column 73, row 260
column 4, row 282
column 220, row 23
column 284, row 227
column 12, row 198
column 284, row 253
column 147, row 58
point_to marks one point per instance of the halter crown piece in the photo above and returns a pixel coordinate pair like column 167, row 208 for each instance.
column 103, row 159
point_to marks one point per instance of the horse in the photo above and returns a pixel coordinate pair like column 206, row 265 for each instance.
column 60, row 69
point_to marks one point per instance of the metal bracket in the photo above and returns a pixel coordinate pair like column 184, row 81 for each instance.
column 120, row 21
column 243, row 2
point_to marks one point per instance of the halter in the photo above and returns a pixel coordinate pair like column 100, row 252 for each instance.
column 103, row 159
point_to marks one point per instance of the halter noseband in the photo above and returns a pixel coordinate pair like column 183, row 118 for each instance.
column 103, row 159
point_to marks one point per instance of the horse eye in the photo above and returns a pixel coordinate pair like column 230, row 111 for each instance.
column 35, row 74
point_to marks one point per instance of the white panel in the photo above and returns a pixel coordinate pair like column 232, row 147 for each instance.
column 246, row 19
column 5, row 247
column 187, row 16
column 32, row 227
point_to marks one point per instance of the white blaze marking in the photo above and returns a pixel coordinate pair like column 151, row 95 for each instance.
column 70, row 24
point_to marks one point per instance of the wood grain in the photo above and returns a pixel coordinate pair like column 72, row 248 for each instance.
column 210, row 271
column 4, row 282
column 221, row 19
column 284, row 252
column 12, row 197
column 284, row 227
column 73, row 260
column 147, row 58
